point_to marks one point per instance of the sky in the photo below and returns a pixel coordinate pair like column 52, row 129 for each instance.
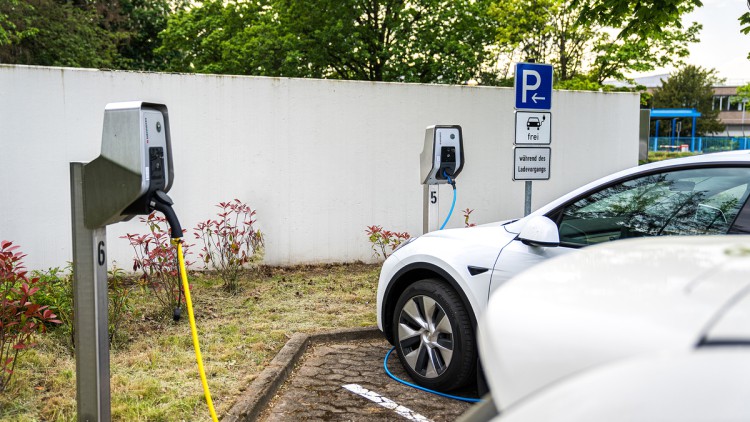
column 722, row 46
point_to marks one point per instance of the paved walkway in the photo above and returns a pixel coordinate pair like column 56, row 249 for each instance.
column 316, row 391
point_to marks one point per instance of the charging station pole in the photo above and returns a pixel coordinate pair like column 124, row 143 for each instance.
column 430, row 202
column 130, row 177
column 90, row 308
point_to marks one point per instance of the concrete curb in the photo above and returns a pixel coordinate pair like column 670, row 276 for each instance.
column 260, row 392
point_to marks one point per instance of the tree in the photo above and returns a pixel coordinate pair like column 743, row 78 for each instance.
column 378, row 40
column 558, row 32
column 119, row 34
column 641, row 18
column 136, row 25
column 743, row 97
column 241, row 38
column 745, row 22
column 51, row 33
column 691, row 87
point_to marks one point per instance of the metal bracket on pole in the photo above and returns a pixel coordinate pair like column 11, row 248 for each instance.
column 90, row 308
column 430, row 201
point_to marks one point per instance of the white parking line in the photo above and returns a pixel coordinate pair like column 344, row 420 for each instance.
column 386, row 402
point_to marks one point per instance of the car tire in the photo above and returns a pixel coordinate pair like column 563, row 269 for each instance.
column 434, row 336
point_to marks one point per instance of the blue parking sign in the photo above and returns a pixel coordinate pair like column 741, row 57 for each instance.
column 533, row 84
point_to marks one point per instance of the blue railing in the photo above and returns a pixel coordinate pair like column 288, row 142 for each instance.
column 704, row 144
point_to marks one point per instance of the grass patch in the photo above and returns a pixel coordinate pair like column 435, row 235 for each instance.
column 154, row 375
column 654, row 156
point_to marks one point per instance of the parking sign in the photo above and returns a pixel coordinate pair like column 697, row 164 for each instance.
column 533, row 83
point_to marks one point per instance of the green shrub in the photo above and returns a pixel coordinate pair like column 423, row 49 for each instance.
column 156, row 258
column 57, row 293
column 230, row 243
column 21, row 317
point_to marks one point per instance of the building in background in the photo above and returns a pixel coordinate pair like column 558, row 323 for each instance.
column 732, row 110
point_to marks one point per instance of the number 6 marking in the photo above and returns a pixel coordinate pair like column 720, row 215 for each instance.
column 102, row 257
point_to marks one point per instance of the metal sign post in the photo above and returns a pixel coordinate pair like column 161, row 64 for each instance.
column 90, row 310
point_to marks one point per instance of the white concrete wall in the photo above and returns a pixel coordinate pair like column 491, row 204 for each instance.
column 320, row 160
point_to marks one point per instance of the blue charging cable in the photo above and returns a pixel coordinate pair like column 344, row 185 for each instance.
column 453, row 205
column 418, row 387
column 388, row 355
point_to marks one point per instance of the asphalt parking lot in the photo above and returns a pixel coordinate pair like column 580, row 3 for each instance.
column 345, row 381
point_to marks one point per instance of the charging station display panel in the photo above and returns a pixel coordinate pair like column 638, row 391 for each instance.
column 442, row 156
column 155, row 176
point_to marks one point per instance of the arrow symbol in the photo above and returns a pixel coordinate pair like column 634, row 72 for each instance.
column 535, row 98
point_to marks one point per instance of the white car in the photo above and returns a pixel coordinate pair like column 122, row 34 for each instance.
column 643, row 329
column 432, row 290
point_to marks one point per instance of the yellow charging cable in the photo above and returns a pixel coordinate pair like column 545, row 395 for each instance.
column 186, row 288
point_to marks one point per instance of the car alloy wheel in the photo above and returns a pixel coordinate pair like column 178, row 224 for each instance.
column 434, row 336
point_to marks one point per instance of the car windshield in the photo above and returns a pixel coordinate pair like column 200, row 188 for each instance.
column 687, row 202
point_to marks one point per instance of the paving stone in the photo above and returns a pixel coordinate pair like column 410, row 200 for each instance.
column 315, row 390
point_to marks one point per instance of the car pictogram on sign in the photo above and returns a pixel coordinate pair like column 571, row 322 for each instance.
column 534, row 122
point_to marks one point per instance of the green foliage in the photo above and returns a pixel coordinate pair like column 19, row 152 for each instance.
column 57, row 293
column 742, row 95
column 156, row 258
column 467, row 216
column 136, row 25
column 22, row 319
column 119, row 303
column 691, row 87
column 745, row 23
column 381, row 240
column 642, row 18
column 578, row 44
column 53, row 33
column 231, row 242
column 376, row 40
column 86, row 33
column 216, row 38
column 654, row 156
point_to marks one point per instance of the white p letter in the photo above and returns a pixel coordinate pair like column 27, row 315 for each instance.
column 525, row 85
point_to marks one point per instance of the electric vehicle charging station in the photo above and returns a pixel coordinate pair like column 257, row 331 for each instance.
column 129, row 178
column 441, row 161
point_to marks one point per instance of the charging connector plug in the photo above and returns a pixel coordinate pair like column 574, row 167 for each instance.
column 449, row 176
column 163, row 203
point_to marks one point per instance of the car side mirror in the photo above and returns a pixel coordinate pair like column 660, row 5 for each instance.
column 540, row 231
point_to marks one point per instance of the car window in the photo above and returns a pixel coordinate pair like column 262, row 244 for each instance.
column 684, row 202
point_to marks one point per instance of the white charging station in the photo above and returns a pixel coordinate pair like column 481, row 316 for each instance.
column 441, row 159
column 134, row 170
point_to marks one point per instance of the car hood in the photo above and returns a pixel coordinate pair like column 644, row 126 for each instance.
column 606, row 303
column 475, row 246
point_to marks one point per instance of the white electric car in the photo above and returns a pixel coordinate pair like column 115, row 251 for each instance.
column 433, row 289
column 638, row 330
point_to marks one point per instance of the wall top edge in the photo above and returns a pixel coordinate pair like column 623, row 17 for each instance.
column 220, row 76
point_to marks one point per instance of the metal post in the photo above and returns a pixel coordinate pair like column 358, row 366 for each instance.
column 527, row 202
column 430, row 202
column 90, row 309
